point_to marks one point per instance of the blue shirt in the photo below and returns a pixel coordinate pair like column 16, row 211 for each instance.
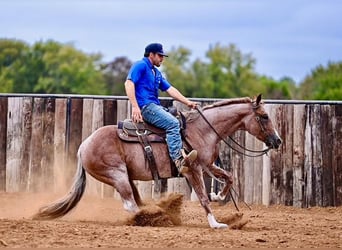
column 147, row 84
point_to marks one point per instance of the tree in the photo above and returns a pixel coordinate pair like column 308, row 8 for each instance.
column 115, row 74
column 228, row 73
column 52, row 67
column 177, row 71
column 67, row 70
column 10, row 52
column 283, row 89
column 232, row 72
column 324, row 83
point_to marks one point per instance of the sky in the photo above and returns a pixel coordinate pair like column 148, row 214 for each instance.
column 287, row 38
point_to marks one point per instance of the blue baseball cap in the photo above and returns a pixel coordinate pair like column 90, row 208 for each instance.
column 154, row 48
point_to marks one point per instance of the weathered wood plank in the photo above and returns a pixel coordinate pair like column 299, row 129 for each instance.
column 145, row 189
column 327, row 151
column 48, row 144
column 14, row 144
column 179, row 185
column 308, row 159
column 109, row 112
column 276, row 195
column 248, row 166
column 26, row 142
column 3, row 141
column 299, row 118
column 237, row 164
column 93, row 186
column 287, row 159
column 258, row 173
column 73, row 135
column 337, row 155
column 35, row 168
column 123, row 110
column 59, row 163
column 266, row 168
column 317, row 169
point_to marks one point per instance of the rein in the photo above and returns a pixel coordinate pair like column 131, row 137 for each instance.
column 260, row 152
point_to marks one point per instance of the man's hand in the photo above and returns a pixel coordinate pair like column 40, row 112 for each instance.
column 136, row 114
column 192, row 104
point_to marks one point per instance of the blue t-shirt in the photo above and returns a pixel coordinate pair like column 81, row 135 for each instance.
column 147, row 84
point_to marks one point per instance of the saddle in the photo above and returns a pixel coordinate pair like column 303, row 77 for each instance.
column 144, row 133
column 131, row 131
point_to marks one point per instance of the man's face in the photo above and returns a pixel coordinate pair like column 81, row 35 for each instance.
column 156, row 59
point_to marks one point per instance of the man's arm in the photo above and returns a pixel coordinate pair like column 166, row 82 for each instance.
column 174, row 93
column 130, row 91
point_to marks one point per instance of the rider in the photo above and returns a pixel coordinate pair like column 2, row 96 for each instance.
column 142, row 87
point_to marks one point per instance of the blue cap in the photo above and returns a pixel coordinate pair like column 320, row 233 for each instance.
column 154, row 48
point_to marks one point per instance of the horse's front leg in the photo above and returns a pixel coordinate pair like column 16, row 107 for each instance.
column 195, row 178
column 228, row 179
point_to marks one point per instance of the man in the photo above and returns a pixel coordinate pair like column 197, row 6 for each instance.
column 142, row 86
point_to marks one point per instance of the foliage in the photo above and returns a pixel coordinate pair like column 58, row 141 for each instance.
column 10, row 53
column 226, row 73
column 115, row 74
column 283, row 89
column 52, row 67
column 49, row 67
column 176, row 70
column 324, row 83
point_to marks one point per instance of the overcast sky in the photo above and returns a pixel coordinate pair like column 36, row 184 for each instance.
column 287, row 38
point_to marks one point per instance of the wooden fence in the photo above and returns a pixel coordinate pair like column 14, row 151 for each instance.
column 40, row 135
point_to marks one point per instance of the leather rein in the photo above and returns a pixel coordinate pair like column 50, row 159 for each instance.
column 258, row 152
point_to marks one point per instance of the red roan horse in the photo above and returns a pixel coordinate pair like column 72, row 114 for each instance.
column 115, row 162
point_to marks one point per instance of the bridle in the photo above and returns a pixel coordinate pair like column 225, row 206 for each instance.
column 258, row 119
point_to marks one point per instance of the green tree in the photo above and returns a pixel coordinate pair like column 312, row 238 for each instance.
column 177, row 71
column 115, row 74
column 324, row 83
column 231, row 72
column 10, row 53
column 283, row 89
column 67, row 70
column 226, row 73
column 52, row 67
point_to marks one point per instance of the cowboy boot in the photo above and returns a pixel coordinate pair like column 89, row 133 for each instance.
column 183, row 163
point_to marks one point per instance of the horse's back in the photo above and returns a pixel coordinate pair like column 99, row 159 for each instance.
column 100, row 141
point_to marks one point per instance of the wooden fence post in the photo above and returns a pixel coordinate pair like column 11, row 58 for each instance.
column 3, row 141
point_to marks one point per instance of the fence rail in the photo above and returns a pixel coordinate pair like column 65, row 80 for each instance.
column 40, row 135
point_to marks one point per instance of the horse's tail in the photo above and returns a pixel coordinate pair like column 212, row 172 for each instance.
column 61, row 207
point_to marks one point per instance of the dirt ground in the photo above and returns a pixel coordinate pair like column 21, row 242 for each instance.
column 97, row 222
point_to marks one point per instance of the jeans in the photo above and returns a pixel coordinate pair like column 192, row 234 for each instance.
column 158, row 116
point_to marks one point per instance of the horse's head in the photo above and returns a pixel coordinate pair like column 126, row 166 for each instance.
column 261, row 126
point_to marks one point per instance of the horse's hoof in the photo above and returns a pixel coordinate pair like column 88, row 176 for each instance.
column 221, row 225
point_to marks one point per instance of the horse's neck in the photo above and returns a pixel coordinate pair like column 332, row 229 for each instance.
column 227, row 119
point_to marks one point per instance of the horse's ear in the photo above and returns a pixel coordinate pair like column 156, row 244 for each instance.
column 258, row 99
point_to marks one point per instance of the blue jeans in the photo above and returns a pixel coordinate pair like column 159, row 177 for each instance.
column 158, row 116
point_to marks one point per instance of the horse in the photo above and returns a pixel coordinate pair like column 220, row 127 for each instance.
column 118, row 163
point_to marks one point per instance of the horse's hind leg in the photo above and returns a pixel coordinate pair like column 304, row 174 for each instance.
column 119, row 179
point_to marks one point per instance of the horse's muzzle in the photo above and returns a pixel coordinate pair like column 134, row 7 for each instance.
column 273, row 141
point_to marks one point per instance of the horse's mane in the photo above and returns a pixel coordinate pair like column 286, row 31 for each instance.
column 192, row 115
column 228, row 102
